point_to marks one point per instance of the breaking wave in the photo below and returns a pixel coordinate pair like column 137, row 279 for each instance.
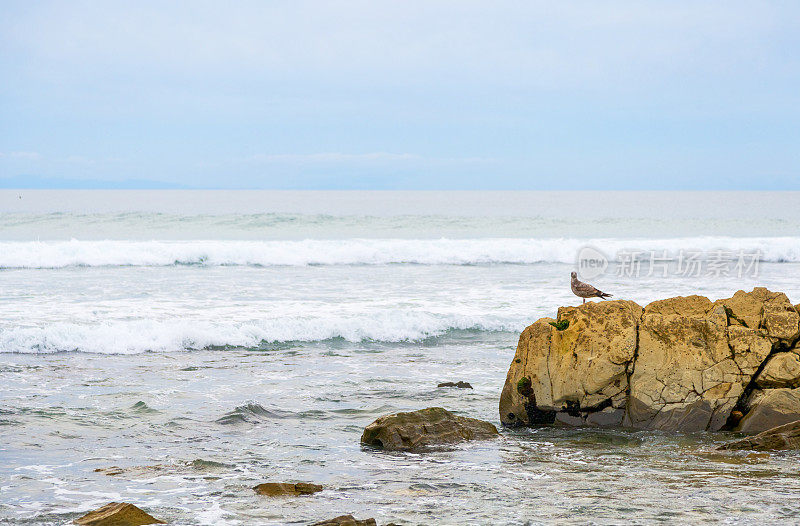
column 138, row 336
column 59, row 254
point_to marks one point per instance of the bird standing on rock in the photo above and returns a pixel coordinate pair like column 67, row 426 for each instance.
column 584, row 290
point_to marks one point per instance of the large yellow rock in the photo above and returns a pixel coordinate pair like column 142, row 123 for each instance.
column 583, row 365
column 682, row 363
column 685, row 376
column 530, row 362
column 763, row 309
column 591, row 356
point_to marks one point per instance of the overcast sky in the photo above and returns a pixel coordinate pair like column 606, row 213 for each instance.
column 407, row 94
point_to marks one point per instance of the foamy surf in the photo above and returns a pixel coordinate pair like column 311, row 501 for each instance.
column 138, row 336
column 59, row 254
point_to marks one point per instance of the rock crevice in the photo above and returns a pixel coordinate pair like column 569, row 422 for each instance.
column 683, row 363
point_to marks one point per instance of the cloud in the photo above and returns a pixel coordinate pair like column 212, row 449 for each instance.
column 422, row 92
column 21, row 155
column 88, row 161
column 346, row 158
column 536, row 43
column 68, row 159
column 333, row 157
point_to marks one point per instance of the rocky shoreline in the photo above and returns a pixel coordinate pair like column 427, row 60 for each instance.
column 679, row 364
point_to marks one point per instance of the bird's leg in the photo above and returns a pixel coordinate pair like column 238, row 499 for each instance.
column 584, row 301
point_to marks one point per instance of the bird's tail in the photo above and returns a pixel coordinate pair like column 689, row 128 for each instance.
column 605, row 295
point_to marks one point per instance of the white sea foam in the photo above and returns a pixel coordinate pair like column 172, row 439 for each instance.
column 137, row 336
column 57, row 254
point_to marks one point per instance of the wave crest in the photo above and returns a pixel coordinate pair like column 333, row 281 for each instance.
column 138, row 336
column 59, row 254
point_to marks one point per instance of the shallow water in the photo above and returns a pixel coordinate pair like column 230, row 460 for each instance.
column 215, row 423
column 192, row 353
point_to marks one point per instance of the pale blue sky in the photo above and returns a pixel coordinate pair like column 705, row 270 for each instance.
column 410, row 94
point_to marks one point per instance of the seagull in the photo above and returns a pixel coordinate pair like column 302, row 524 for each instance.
column 584, row 290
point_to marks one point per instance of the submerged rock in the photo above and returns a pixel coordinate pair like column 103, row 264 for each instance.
column 136, row 471
column 426, row 427
column 786, row 436
column 346, row 520
column 459, row 384
column 198, row 465
column 683, row 363
column 276, row 489
column 117, row 514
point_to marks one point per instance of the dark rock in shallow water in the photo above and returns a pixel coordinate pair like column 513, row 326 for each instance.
column 346, row 520
column 426, row 427
column 460, row 385
column 786, row 436
column 276, row 489
column 117, row 514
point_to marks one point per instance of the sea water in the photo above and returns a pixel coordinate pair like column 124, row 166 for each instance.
column 210, row 341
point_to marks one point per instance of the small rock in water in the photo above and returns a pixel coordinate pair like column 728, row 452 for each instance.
column 786, row 436
column 346, row 520
column 117, row 514
column 459, row 384
column 134, row 471
column 426, row 427
column 277, row 489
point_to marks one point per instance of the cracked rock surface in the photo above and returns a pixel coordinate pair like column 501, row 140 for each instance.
column 683, row 363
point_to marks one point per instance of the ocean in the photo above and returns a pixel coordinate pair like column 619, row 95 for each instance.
column 207, row 341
